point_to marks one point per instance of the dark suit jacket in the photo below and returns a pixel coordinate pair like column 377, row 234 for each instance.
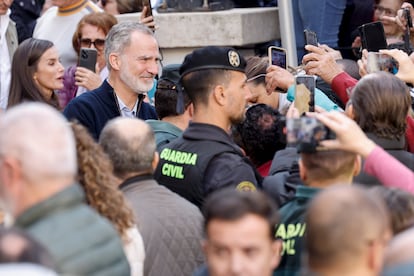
column 95, row 108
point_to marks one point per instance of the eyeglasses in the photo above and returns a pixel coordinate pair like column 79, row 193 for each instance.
column 98, row 43
column 381, row 10
column 256, row 77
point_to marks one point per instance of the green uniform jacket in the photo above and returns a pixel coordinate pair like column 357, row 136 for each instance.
column 291, row 230
column 80, row 241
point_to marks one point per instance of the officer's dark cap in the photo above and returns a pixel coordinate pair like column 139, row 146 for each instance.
column 171, row 73
column 213, row 57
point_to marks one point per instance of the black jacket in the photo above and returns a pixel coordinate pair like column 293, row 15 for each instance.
column 95, row 108
column 283, row 176
column 203, row 160
column 396, row 148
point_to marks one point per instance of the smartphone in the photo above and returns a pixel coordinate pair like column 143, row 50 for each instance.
column 277, row 56
column 305, row 93
column 310, row 38
column 306, row 133
column 381, row 62
column 147, row 3
column 372, row 36
column 87, row 58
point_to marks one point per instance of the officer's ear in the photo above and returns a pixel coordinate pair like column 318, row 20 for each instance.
column 219, row 95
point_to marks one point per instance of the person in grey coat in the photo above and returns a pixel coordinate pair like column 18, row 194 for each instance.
column 170, row 225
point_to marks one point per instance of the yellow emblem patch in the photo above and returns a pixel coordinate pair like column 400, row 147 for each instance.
column 246, row 186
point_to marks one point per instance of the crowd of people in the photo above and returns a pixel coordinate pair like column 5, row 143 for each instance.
column 95, row 179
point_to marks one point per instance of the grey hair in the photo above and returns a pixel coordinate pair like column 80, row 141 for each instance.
column 119, row 37
column 39, row 137
column 130, row 144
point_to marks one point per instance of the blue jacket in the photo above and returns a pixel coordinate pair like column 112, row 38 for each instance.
column 95, row 108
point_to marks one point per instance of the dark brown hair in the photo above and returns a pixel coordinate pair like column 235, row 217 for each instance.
column 380, row 104
column 24, row 66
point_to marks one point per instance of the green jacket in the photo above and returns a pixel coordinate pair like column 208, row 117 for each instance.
column 291, row 230
column 80, row 241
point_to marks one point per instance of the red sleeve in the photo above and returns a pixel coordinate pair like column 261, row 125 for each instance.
column 409, row 134
column 389, row 170
column 340, row 84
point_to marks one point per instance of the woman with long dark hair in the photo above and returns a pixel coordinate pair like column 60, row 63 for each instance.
column 36, row 73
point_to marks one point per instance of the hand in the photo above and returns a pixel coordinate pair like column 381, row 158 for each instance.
column 362, row 63
column 278, row 77
column 405, row 64
column 147, row 21
column 293, row 112
column 86, row 78
column 349, row 136
column 334, row 53
column 321, row 63
column 399, row 19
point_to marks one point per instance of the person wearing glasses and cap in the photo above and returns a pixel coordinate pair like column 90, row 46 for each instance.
column 205, row 158
column 90, row 33
column 58, row 25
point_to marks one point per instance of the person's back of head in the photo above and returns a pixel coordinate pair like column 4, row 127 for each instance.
column 17, row 246
column 261, row 133
column 380, row 105
column 166, row 95
column 324, row 168
column 130, row 144
column 237, row 224
column 400, row 207
column 347, row 231
column 38, row 148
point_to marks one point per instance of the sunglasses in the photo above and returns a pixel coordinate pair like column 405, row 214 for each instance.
column 98, row 43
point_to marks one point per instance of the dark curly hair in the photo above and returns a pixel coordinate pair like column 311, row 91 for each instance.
column 261, row 133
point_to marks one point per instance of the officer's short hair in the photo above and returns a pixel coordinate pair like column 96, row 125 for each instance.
column 231, row 205
column 207, row 67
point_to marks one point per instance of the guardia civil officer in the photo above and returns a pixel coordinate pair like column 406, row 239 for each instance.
column 205, row 158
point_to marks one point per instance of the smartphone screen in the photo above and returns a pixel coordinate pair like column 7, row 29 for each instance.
column 373, row 37
column 305, row 93
column 306, row 133
column 310, row 38
column 277, row 56
column 87, row 58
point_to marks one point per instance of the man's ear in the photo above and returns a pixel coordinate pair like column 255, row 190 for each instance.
column 276, row 253
column 357, row 165
column 190, row 109
column 302, row 170
column 219, row 95
column 155, row 160
column 115, row 61
column 349, row 111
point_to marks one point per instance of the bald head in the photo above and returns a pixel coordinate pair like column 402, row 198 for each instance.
column 40, row 139
column 130, row 144
column 342, row 221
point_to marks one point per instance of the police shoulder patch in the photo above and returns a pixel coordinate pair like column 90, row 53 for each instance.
column 246, row 186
